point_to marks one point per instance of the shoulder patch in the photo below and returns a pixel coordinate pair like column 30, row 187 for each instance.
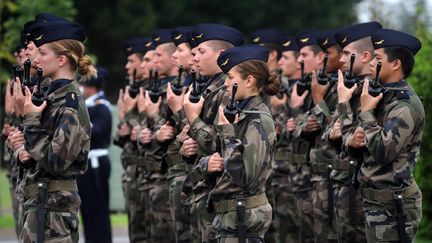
column 71, row 100
column 403, row 94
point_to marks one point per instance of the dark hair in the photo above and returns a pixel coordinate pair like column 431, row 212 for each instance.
column 274, row 47
column 218, row 45
column 404, row 55
column 260, row 71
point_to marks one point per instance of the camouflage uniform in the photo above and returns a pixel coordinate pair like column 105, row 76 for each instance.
column 322, row 156
column 158, row 183
column 349, row 210
column 248, row 148
column 391, row 196
column 285, row 219
column 300, row 172
column 203, row 132
column 129, row 159
column 58, row 140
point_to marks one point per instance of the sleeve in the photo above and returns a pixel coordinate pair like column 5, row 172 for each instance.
column 56, row 153
column 243, row 158
column 385, row 142
column 102, row 122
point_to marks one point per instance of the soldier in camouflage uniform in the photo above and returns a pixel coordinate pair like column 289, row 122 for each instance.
column 128, row 117
column 57, row 136
column 285, row 204
column 349, row 213
column 393, row 119
column 243, row 164
column 211, row 40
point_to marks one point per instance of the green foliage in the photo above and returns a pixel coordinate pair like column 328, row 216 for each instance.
column 17, row 14
column 420, row 80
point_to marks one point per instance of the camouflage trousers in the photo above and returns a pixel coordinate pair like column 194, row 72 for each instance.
column 381, row 218
column 194, row 230
column 17, row 207
column 257, row 222
column 305, row 214
column 60, row 227
column 325, row 231
column 270, row 236
column 205, row 221
column 286, row 219
column 179, row 209
column 162, row 226
column 134, row 208
column 349, row 228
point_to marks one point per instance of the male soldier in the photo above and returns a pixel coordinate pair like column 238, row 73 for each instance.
column 162, row 153
column 128, row 117
column 355, row 40
column 93, row 186
column 301, row 102
column 324, row 97
column 393, row 117
column 211, row 40
column 285, row 207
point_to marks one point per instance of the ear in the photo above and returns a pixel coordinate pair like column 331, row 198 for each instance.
column 320, row 57
column 250, row 81
column 273, row 55
column 219, row 52
column 62, row 59
column 366, row 57
column 396, row 64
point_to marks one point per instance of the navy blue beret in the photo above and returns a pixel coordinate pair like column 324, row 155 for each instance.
column 40, row 17
column 137, row 44
column 45, row 32
column 326, row 38
column 181, row 34
column 307, row 38
column 233, row 56
column 101, row 79
column 386, row 38
column 162, row 36
column 205, row 32
column 266, row 36
column 289, row 43
column 346, row 35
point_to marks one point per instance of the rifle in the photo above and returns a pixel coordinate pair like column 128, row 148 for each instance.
column 230, row 111
column 134, row 88
column 154, row 91
column 178, row 88
column 304, row 83
column 375, row 86
column 322, row 77
column 195, row 95
column 349, row 79
column 38, row 96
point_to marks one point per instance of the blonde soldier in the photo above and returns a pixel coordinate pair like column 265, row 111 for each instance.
column 243, row 164
column 57, row 135
column 211, row 40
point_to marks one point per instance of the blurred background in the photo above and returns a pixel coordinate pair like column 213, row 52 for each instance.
column 109, row 22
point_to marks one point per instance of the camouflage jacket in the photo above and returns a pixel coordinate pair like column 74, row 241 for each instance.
column 129, row 153
column 393, row 131
column 58, row 140
column 248, row 149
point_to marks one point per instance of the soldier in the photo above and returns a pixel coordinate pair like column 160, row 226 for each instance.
column 243, row 164
column 57, row 136
column 355, row 40
column 393, row 117
column 211, row 40
column 285, row 207
column 93, row 185
column 271, row 39
column 134, row 49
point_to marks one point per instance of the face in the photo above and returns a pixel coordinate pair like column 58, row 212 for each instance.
column 47, row 60
column 182, row 56
column 288, row 63
column 386, row 67
column 311, row 61
column 206, row 60
column 245, row 86
column 147, row 64
column 191, row 62
column 163, row 60
column 334, row 56
column 31, row 52
column 346, row 56
column 133, row 63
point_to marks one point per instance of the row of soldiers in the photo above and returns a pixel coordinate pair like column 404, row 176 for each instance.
column 203, row 157
column 348, row 131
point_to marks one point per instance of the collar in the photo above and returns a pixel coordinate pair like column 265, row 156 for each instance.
column 57, row 84
column 90, row 101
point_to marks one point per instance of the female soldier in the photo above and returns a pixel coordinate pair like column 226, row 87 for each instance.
column 57, row 136
column 243, row 163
